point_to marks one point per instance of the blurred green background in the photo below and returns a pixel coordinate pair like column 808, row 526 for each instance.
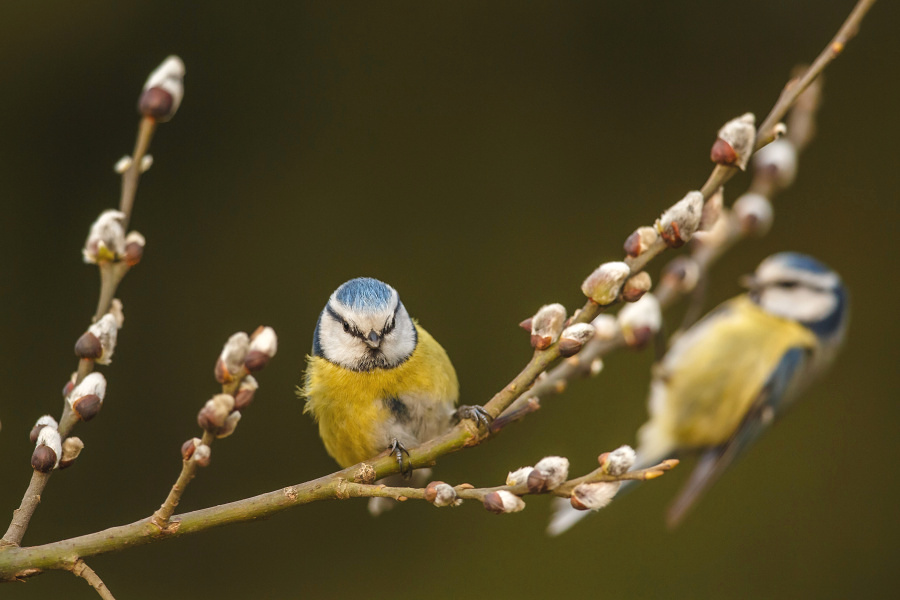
column 482, row 157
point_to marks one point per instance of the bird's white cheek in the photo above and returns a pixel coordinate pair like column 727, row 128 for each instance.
column 799, row 304
column 338, row 347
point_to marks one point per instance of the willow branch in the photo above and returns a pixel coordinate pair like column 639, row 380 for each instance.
column 80, row 569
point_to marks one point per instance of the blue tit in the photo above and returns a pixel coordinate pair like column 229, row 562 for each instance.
column 377, row 380
column 727, row 378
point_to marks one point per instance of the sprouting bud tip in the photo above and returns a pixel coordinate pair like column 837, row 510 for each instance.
column 594, row 496
column 263, row 346
column 245, row 393
column 71, row 448
column 546, row 325
column 603, row 285
column 441, row 494
column 678, row 224
column 214, row 413
column 519, row 476
column 134, row 248
column 202, row 455
column 640, row 320
column 574, row 337
column 106, row 238
column 187, row 448
column 754, row 212
column 636, row 286
column 231, row 360
column 163, row 90
column 735, row 141
column 47, row 451
column 503, row 502
column 86, row 399
column 548, row 474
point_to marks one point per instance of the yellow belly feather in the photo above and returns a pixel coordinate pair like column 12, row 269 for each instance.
column 348, row 405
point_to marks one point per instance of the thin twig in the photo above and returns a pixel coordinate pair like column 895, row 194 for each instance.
column 133, row 173
column 188, row 471
column 81, row 569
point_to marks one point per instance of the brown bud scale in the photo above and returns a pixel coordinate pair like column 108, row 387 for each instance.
column 494, row 503
column 243, row 398
column 156, row 103
column 431, row 491
column 256, row 360
column 722, row 153
column 187, row 449
column 536, row 482
column 569, row 347
column 88, row 346
column 43, row 459
column 87, row 407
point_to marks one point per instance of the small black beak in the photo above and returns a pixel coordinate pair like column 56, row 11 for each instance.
column 374, row 339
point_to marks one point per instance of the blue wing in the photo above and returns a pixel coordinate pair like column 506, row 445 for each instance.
column 772, row 401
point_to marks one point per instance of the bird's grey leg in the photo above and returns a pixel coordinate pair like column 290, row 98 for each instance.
column 398, row 450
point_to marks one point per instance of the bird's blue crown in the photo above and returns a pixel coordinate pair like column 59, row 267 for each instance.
column 802, row 262
column 364, row 294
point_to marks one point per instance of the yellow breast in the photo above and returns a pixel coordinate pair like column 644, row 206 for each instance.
column 350, row 408
column 713, row 375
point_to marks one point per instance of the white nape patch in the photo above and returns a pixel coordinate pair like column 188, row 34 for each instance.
column 347, row 349
column 798, row 303
column 771, row 272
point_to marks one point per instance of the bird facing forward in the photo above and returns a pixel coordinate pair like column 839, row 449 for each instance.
column 736, row 371
column 377, row 380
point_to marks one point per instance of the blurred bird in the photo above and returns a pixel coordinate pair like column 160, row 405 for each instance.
column 728, row 377
column 377, row 380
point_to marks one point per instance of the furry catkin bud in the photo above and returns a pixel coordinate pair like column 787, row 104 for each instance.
column 618, row 461
column 163, row 91
column 594, row 496
column 519, row 476
column 187, row 448
column 777, row 163
column 106, row 239
column 214, row 413
column 681, row 273
column 105, row 331
column 202, row 455
column 244, row 396
column 71, row 448
column 636, row 286
column 605, row 326
column 548, row 474
column 86, row 399
column 546, row 325
column 231, row 360
column 45, row 421
column 678, row 224
column 638, row 242
column 574, row 337
column 603, row 285
column 263, row 346
column 503, row 502
column 441, row 494
column 640, row 320
column 134, row 248
column 754, row 212
column 230, row 425
column 735, row 141
column 47, row 451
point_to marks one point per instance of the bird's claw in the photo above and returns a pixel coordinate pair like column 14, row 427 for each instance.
column 398, row 450
column 475, row 413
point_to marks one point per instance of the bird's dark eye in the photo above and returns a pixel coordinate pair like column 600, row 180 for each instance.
column 346, row 327
column 787, row 284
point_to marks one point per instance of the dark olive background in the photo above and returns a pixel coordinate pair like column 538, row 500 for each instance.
column 482, row 158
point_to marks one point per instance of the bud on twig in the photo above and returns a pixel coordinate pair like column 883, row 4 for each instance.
column 230, row 425
column 548, row 474
column 441, row 494
column 519, row 476
column 106, row 239
column 245, row 392
column 735, row 142
column 636, row 286
column 187, row 448
column 47, row 450
column 619, row 461
column 606, row 327
column 574, row 337
column 88, row 346
column 86, row 399
column 105, row 331
column 123, row 164
column 603, row 285
column 134, row 248
column 682, row 274
column 503, row 502
column 638, row 242
column 231, row 360
column 71, row 448
column 594, row 496
column 678, row 224
column 263, row 346
column 201, row 456
column 777, row 163
column 754, row 212
column 640, row 321
column 163, row 90
column 214, row 413
column 45, row 421
column 546, row 325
